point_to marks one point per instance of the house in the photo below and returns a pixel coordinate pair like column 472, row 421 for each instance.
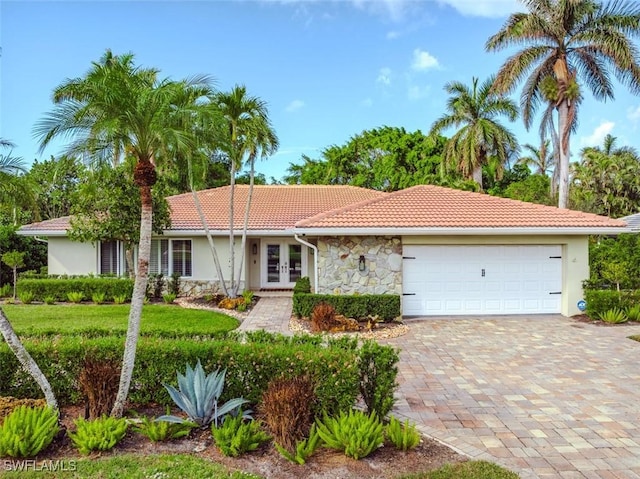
column 633, row 221
column 447, row 252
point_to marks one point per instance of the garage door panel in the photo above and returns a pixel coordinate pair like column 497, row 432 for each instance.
column 448, row 279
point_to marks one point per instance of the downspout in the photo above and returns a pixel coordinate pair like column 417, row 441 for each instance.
column 40, row 239
column 315, row 260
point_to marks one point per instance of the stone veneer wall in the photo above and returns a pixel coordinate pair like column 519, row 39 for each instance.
column 199, row 287
column 338, row 265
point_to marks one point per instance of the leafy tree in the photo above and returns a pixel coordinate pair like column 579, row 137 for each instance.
column 106, row 208
column 141, row 116
column 14, row 260
column 566, row 44
column 385, row 159
column 475, row 111
column 35, row 251
column 14, row 192
column 608, row 255
column 606, row 181
column 54, row 182
column 533, row 189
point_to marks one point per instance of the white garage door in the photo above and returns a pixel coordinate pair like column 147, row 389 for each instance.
column 501, row 279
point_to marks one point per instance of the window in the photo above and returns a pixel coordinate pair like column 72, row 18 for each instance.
column 170, row 256
column 109, row 261
column 181, row 254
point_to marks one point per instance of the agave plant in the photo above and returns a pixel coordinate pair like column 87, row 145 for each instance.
column 198, row 396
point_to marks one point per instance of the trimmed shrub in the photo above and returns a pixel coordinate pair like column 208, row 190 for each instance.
column 250, row 367
column 88, row 286
column 303, row 285
column 385, row 306
column 378, row 371
column 601, row 300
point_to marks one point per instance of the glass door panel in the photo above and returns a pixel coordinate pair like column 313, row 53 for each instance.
column 295, row 262
column 273, row 263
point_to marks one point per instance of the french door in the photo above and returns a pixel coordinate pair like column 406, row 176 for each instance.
column 283, row 263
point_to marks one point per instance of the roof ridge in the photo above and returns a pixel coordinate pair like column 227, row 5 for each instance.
column 343, row 209
column 244, row 186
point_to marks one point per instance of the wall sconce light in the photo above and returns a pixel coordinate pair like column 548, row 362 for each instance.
column 361, row 264
column 254, row 248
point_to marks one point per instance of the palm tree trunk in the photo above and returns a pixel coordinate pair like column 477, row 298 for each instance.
column 26, row 360
column 137, row 301
column 477, row 175
column 564, row 129
column 232, row 242
column 245, row 224
column 212, row 246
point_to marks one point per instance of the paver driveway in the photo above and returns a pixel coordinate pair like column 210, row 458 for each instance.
column 546, row 396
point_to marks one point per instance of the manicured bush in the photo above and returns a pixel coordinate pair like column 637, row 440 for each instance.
column 88, row 286
column 303, row 285
column 378, row 372
column 250, row 367
column 601, row 300
column 385, row 306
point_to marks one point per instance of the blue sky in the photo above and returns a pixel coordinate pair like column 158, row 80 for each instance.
column 328, row 69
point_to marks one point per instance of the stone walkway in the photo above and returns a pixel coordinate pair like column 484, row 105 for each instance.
column 545, row 396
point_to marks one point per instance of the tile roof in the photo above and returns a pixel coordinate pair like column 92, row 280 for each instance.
column 55, row 225
column 273, row 207
column 284, row 207
column 633, row 221
column 428, row 206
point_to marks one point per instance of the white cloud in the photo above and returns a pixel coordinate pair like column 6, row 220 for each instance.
column 484, row 8
column 633, row 114
column 384, row 76
column 596, row 138
column 416, row 92
column 295, row 105
column 423, row 60
column 396, row 10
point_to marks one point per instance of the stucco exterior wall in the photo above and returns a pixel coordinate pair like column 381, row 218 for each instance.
column 70, row 257
column 575, row 258
column 338, row 271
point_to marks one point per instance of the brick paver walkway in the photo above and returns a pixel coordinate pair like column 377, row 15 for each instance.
column 546, row 396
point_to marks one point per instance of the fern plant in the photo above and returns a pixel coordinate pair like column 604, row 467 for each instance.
column 236, row 437
column 28, row 430
column 119, row 299
column 100, row 434
column 49, row 300
column 356, row 434
column 613, row 316
column 26, row 297
column 304, row 449
column 75, row 296
column 159, row 431
column 169, row 298
column 402, row 436
column 633, row 312
column 98, row 298
column 198, row 396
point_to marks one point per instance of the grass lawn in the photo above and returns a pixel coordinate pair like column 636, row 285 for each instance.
column 179, row 466
column 100, row 320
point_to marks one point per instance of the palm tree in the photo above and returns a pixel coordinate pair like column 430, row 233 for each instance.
column 248, row 131
column 14, row 190
column 568, row 43
column 476, row 111
column 147, row 118
column 541, row 159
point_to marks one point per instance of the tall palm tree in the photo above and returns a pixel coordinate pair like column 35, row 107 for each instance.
column 150, row 125
column 568, row 43
column 475, row 111
column 14, row 190
column 247, row 130
column 541, row 159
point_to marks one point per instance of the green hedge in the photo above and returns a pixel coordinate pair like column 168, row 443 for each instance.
column 58, row 288
column 250, row 366
column 386, row 306
column 601, row 300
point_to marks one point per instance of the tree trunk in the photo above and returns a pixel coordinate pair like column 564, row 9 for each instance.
column 212, row 246
column 245, row 225
column 128, row 255
column 232, row 240
column 26, row 360
column 137, row 301
column 564, row 131
column 477, row 176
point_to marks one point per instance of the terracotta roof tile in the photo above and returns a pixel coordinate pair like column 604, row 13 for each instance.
column 273, row 207
column 57, row 224
column 428, row 206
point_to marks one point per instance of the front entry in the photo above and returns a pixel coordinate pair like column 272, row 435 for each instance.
column 283, row 263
